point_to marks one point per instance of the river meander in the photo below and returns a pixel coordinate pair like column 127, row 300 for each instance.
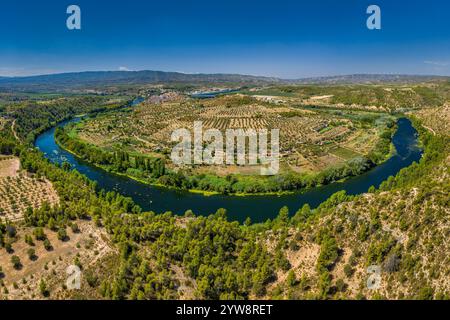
column 260, row 207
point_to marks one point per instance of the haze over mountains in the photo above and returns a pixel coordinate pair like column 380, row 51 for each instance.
column 67, row 81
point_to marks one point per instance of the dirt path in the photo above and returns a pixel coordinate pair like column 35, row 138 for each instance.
column 430, row 129
column 13, row 129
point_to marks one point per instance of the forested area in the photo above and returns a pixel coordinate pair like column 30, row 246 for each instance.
column 211, row 249
column 29, row 122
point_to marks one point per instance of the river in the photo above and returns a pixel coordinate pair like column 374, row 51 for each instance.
column 212, row 94
column 258, row 208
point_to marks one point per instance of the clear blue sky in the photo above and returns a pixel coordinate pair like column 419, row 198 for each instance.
column 289, row 39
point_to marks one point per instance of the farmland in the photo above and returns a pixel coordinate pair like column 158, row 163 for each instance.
column 310, row 140
column 20, row 190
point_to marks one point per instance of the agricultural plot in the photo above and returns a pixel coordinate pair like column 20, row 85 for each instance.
column 19, row 190
column 310, row 140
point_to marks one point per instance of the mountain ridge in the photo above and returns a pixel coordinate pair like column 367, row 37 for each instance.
column 71, row 80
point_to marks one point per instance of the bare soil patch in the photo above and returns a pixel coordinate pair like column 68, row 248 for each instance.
column 9, row 166
column 90, row 246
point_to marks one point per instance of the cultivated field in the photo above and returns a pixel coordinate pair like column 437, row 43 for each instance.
column 20, row 190
column 310, row 140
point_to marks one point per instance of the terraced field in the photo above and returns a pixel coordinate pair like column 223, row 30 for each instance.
column 310, row 140
column 20, row 190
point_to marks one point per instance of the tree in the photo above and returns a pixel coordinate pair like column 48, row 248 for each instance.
column 39, row 234
column 291, row 279
column 51, row 224
column 348, row 270
column 328, row 254
column 302, row 215
column 17, row 264
column 47, row 245
column 29, row 240
column 92, row 279
column 43, row 288
column 324, row 284
column 62, row 234
column 8, row 247
column 426, row 293
column 283, row 217
column 340, row 285
column 31, row 253
column 77, row 262
column 75, row 228
column 66, row 166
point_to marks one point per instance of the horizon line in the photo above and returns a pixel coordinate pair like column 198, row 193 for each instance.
column 222, row 73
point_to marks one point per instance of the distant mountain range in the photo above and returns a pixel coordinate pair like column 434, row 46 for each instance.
column 370, row 79
column 99, row 79
column 111, row 78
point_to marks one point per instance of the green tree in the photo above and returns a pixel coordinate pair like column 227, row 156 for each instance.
column 291, row 280
column 31, row 254
column 62, row 234
column 17, row 264
column 43, row 288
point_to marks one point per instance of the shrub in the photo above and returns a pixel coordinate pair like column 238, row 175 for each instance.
column 17, row 264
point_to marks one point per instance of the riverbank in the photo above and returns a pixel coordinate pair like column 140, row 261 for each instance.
column 206, row 193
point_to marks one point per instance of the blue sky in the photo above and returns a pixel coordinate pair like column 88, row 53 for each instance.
column 289, row 39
